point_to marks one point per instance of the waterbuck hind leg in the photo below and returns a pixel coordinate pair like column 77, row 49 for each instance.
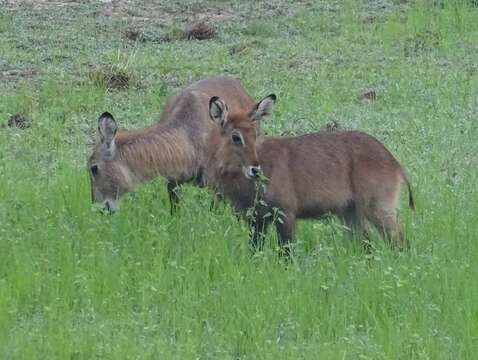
column 390, row 230
column 386, row 222
column 173, row 189
column 356, row 229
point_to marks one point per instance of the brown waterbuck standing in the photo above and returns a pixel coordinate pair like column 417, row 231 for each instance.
column 172, row 148
column 349, row 174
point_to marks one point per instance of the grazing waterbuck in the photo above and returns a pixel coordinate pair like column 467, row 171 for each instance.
column 172, row 148
column 346, row 173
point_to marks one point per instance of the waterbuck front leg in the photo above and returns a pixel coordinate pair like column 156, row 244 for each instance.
column 217, row 199
column 173, row 188
column 258, row 228
column 285, row 226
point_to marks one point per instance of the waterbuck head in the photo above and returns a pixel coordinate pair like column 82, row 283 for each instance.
column 110, row 179
column 235, row 142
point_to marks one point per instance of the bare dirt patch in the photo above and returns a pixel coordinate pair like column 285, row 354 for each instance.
column 164, row 12
column 118, row 8
column 17, row 74
column 40, row 4
column 201, row 12
column 196, row 31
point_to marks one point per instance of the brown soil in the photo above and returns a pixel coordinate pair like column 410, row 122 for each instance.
column 16, row 75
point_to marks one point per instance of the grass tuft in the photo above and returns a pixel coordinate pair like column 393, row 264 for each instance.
column 112, row 77
column 200, row 31
column 19, row 121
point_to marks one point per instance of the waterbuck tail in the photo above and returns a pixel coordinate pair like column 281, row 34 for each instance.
column 411, row 202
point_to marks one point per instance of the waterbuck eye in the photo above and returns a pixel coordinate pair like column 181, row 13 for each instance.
column 94, row 169
column 236, row 139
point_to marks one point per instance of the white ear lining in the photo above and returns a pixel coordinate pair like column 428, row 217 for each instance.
column 107, row 129
column 264, row 108
column 218, row 111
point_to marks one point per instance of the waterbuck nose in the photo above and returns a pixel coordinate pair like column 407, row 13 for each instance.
column 255, row 171
column 109, row 208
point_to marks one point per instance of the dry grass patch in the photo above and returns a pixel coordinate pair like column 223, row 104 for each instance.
column 112, row 77
column 200, row 31
column 20, row 121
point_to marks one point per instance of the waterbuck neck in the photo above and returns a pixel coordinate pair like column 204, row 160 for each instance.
column 166, row 152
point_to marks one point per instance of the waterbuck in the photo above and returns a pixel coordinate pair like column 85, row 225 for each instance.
column 172, row 148
column 346, row 173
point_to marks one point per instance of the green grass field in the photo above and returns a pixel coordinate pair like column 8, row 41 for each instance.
column 143, row 284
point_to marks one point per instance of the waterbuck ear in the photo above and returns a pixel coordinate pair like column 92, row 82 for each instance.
column 107, row 129
column 263, row 108
column 218, row 111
